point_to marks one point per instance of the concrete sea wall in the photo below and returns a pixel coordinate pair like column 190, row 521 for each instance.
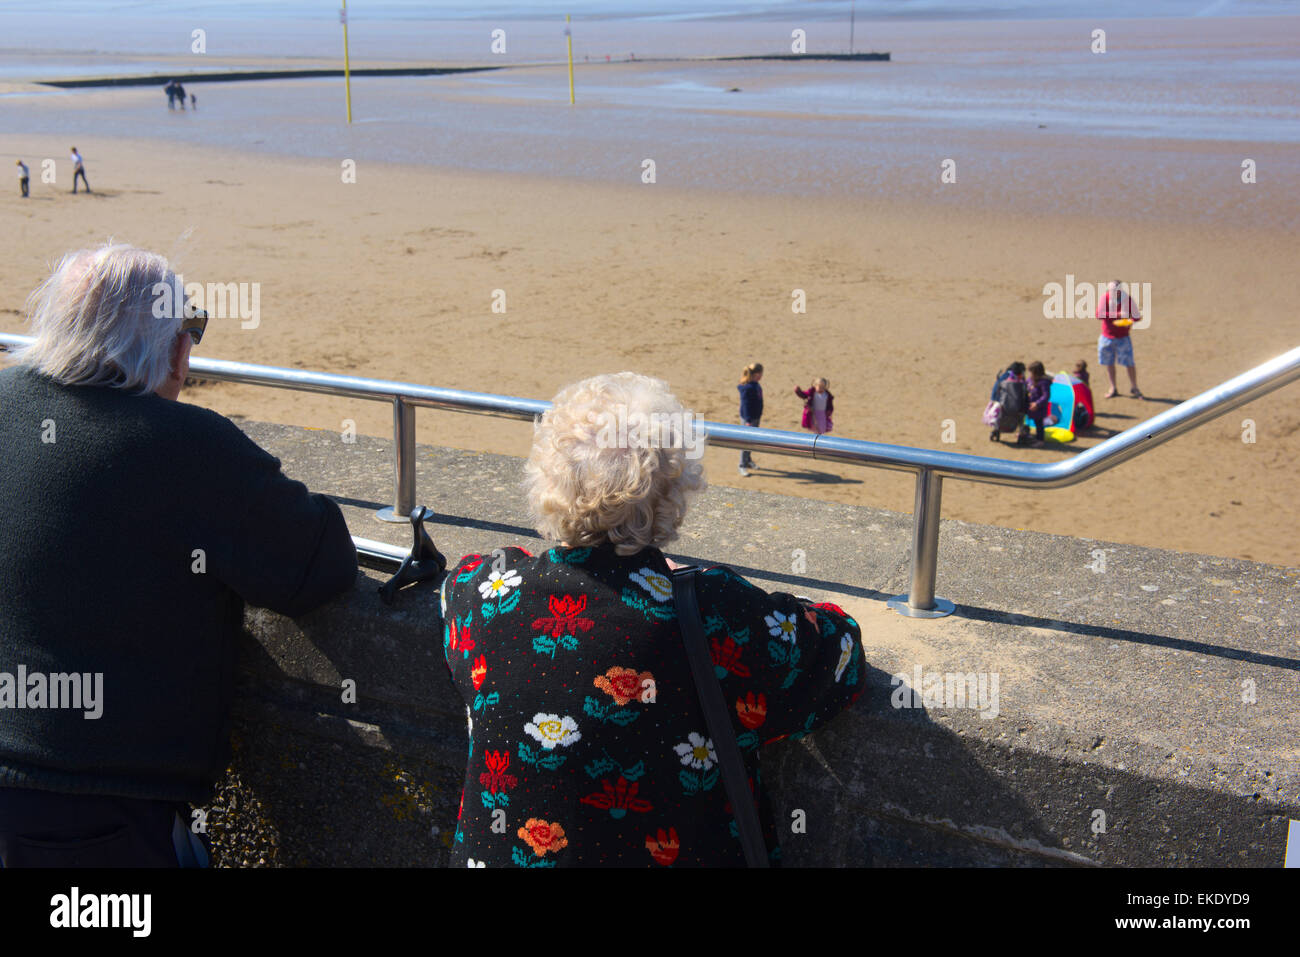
column 1144, row 711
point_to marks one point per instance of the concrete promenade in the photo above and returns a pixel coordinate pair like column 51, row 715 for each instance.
column 1144, row 711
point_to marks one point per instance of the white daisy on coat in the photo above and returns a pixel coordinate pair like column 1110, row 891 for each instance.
column 780, row 626
column 499, row 583
column 551, row 730
column 697, row 752
column 659, row 586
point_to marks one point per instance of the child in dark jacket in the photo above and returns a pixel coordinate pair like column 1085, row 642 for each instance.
column 1016, row 369
column 751, row 407
column 1040, row 390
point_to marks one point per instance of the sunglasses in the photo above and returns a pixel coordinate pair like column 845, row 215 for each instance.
column 196, row 323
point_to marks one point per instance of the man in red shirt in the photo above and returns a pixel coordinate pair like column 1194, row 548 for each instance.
column 1117, row 313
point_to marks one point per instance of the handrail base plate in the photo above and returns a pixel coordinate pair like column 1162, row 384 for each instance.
column 942, row 608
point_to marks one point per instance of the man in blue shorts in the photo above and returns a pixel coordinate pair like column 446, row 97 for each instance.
column 1117, row 314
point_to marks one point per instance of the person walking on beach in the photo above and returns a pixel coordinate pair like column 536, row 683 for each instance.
column 78, row 169
column 194, row 102
column 1116, row 311
column 818, row 406
column 170, row 90
column 24, row 178
column 180, row 94
column 751, row 407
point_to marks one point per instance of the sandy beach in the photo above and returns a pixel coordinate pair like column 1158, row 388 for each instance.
column 917, row 293
column 910, row 312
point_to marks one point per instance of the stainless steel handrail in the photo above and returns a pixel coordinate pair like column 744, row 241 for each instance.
column 930, row 466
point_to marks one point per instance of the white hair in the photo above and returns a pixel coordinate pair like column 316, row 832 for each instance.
column 586, row 490
column 95, row 320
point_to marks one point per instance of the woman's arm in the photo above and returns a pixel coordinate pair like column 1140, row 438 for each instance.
column 787, row 664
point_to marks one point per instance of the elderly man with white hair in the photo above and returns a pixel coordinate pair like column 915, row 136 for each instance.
column 133, row 528
column 590, row 743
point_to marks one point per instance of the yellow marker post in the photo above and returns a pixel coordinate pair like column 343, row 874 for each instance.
column 569, row 34
column 347, row 67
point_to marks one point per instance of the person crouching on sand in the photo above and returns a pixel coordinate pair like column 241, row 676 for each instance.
column 818, row 406
column 751, row 407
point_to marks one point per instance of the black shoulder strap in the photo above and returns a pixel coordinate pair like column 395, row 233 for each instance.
column 721, row 730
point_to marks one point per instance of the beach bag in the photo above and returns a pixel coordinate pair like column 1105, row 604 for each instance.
column 992, row 413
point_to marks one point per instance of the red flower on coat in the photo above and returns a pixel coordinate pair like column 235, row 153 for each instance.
column 831, row 607
column 565, row 620
column 665, row 847
column 478, row 674
column 460, row 639
column 495, row 777
column 619, row 798
column 726, row 655
column 752, row 710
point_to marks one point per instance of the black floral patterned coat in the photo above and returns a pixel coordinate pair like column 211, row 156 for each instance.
column 587, row 742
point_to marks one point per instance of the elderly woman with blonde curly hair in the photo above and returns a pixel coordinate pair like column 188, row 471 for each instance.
column 588, row 745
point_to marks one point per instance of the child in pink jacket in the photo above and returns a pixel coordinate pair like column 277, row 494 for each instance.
column 818, row 406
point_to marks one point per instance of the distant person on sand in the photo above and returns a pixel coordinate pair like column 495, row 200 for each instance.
column 194, row 102
column 1040, row 390
column 751, row 407
column 180, row 94
column 170, row 90
column 1007, row 402
column 78, row 169
column 1014, row 371
column 1084, row 410
column 818, row 406
column 1117, row 313
column 24, row 177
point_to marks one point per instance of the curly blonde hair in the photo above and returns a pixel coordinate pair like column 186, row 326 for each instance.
column 591, row 479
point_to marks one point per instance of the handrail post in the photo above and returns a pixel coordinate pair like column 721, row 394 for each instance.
column 920, row 602
column 403, row 464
